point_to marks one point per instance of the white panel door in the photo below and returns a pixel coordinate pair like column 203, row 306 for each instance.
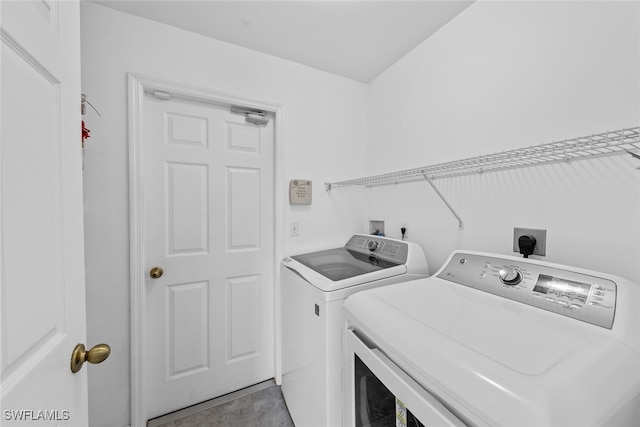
column 208, row 202
column 42, row 288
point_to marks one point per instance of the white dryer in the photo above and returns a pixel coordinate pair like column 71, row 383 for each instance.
column 313, row 288
column 491, row 340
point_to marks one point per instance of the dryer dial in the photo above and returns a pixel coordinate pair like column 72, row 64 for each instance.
column 510, row 276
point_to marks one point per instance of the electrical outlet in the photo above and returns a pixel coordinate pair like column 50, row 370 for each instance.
column 540, row 236
column 404, row 225
column 294, row 229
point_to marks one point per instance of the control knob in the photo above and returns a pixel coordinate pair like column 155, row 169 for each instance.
column 372, row 245
column 510, row 276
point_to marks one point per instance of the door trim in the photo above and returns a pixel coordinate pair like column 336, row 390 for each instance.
column 137, row 86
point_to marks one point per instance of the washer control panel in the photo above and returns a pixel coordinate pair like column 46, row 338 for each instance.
column 382, row 247
column 583, row 297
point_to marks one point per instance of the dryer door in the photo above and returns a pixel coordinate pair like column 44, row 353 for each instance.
column 380, row 393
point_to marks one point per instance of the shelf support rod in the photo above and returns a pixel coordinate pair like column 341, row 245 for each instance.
column 430, row 181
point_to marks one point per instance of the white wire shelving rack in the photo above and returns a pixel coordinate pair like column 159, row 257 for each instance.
column 622, row 141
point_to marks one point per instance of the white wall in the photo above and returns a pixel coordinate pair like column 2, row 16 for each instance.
column 324, row 135
column 506, row 75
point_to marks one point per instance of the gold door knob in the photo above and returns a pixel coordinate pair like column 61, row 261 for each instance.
column 156, row 273
column 97, row 354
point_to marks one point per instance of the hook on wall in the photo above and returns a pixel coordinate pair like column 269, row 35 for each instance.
column 83, row 107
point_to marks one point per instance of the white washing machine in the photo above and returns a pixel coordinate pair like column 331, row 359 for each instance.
column 313, row 288
column 491, row 340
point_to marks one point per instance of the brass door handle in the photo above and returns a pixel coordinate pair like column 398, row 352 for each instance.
column 156, row 273
column 97, row 354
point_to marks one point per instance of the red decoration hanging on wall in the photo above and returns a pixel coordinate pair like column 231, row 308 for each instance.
column 85, row 133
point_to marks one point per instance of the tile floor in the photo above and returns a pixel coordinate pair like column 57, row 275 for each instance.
column 261, row 405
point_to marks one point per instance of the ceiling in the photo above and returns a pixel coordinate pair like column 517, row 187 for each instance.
column 355, row 39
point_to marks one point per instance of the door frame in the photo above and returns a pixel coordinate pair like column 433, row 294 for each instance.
column 137, row 86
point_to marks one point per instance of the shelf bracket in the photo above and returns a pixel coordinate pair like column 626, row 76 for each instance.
column 634, row 155
column 430, row 181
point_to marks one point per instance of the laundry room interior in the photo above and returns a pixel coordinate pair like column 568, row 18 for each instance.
column 491, row 77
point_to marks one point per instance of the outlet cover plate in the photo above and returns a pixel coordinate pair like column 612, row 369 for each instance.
column 540, row 235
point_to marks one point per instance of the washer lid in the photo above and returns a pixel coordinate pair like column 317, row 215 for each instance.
column 497, row 360
column 333, row 269
column 343, row 263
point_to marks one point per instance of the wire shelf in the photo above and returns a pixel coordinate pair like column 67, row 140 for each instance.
column 609, row 143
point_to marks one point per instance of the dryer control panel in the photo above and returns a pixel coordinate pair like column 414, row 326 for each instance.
column 570, row 293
